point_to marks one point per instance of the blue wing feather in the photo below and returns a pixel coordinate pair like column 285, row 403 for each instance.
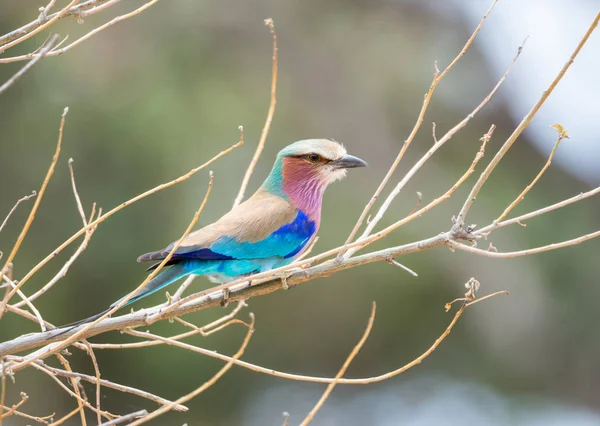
column 286, row 242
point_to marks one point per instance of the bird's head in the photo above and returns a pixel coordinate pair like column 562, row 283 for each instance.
column 305, row 168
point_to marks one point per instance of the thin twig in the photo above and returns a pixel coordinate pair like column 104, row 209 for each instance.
column 96, row 9
column 15, row 249
column 74, row 11
column 97, row 371
column 57, row 52
column 42, row 27
column 75, row 384
column 437, row 77
column 521, row 196
column 401, row 266
column 65, row 269
column 43, row 52
column 19, row 201
column 43, row 420
column 14, row 408
column 121, row 206
column 126, row 418
column 460, row 218
column 27, row 301
column 269, row 119
column 88, row 235
column 108, row 384
column 207, row 384
column 105, row 414
column 388, row 201
column 342, row 370
column 492, row 227
column 81, row 331
column 64, row 418
column 527, row 252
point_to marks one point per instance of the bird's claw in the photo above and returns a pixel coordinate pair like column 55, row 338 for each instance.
column 225, row 300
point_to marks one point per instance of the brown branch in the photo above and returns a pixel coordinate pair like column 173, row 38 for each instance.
column 105, row 414
column 269, row 119
column 25, row 300
column 56, row 51
column 97, row 371
column 43, row 420
column 342, row 370
column 388, row 201
column 42, row 27
column 65, row 418
column 108, row 384
column 44, row 17
column 437, row 77
column 23, row 233
column 105, row 216
column 88, row 235
column 460, row 218
column 14, row 408
column 521, row 196
column 61, row 345
column 207, row 384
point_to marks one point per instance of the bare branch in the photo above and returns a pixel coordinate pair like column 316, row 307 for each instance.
column 437, row 77
column 15, row 249
column 44, row 17
column 65, row 12
column 43, row 52
column 121, row 206
column 269, row 119
column 19, row 201
column 126, row 418
column 527, row 252
column 345, row 366
column 401, row 266
column 112, row 385
column 42, row 27
column 207, row 384
column 61, row 345
column 460, row 218
column 492, row 227
column 431, row 151
column 75, row 384
column 521, row 196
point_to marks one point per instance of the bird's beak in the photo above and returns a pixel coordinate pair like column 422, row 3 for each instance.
column 348, row 162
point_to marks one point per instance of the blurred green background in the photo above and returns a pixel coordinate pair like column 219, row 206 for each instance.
column 157, row 95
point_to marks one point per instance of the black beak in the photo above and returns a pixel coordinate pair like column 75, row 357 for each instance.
column 348, row 162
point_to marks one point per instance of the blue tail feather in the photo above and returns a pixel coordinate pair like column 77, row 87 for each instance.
column 160, row 281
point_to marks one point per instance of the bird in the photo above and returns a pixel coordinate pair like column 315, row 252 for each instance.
column 269, row 230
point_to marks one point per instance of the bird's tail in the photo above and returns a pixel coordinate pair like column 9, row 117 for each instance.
column 162, row 280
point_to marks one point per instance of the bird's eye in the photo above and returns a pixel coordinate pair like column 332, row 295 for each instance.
column 314, row 157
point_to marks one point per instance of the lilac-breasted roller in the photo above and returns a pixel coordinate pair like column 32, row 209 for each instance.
column 268, row 230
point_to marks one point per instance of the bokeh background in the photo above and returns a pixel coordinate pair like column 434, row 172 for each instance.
column 155, row 96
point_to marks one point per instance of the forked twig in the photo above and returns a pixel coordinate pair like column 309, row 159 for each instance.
column 23, row 233
column 460, row 218
column 43, row 52
column 207, row 384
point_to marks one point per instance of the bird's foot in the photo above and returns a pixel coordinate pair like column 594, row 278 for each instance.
column 284, row 283
column 225, row 300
